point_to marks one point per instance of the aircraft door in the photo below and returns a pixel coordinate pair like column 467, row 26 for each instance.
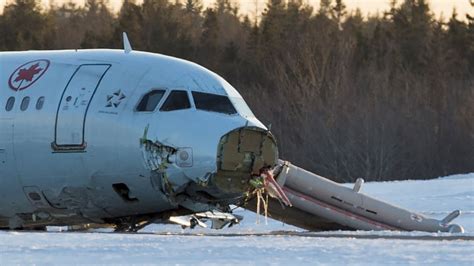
column 74, row 104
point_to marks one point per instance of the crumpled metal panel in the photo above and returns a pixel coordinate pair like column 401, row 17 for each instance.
column 241, row 154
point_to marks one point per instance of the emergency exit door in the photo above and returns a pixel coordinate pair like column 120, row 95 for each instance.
column 73, row 107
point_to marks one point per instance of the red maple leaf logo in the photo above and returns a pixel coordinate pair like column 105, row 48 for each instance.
column 28, row 73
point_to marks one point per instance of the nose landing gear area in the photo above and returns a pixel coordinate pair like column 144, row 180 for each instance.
column 304, row 199
column 243, row 153
column 332, row 206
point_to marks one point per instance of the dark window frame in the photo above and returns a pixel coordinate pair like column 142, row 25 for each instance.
column 158, row 104
column 10, row 104
column 40, row 103
column 170, row 94
column 25, row 103
column 198, row 103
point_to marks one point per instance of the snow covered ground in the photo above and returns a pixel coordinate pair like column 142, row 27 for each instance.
column 158, row 244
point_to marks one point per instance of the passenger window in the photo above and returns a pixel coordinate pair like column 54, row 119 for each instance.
column 40, row 103
column 10, row 104
column 24, row 103
column 177, row 100
column 150, row 101
column 213, row 103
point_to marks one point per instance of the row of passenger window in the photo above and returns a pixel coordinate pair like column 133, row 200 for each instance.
column 179, row 100
column 25, row 103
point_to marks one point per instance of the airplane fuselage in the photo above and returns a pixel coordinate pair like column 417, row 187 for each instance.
column 130, row 138
column 97, row 135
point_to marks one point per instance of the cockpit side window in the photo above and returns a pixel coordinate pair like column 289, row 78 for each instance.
column 213, row 103
column 177, row 100
column 150, row 100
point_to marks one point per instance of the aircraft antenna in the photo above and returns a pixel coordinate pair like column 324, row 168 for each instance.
column 127, row 47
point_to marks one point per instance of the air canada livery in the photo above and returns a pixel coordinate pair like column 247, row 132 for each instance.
column 122, row 138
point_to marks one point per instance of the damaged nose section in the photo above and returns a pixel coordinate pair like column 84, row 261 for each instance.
column 241, row 154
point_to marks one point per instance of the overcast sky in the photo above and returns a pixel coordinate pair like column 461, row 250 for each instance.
column 367, row 6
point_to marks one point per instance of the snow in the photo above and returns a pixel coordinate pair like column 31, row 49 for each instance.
column 435, row 198
column 163, row 244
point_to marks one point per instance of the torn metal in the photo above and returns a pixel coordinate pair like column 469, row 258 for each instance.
column 340, row 207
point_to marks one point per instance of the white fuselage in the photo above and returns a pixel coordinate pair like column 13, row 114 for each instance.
column 58, row 162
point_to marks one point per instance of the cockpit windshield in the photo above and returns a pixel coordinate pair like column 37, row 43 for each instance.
column 236, row 99
column 213, row 103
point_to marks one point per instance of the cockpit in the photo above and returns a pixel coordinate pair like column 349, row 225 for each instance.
column 178, row 99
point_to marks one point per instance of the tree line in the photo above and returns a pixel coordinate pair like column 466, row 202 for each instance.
column 388, row 96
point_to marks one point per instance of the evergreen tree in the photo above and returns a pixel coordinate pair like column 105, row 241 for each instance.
column 413, row 23
column 130, row 20
column 325, row 8
column 24, row 26
column 339, row 11
column 458, row 46
column 99, row 26
column 193, row 6
column 210, row 38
